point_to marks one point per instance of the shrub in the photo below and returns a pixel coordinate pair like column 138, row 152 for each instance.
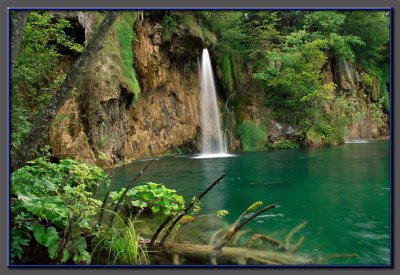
column 54, row 204
column 252, row 137
column 366, row 78
column 286, row 144
column 153, row 196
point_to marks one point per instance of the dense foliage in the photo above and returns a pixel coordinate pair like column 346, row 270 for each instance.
column 287, row 51
column 55, row 210
column 34, row 80
column 153, row 196
column 54, row 205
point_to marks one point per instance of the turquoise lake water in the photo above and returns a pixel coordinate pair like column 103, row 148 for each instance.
column 343, row 192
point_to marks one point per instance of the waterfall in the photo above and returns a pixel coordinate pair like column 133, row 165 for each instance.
column 212, row 142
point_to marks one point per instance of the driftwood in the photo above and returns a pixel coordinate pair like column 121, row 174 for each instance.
column 189, row 253
column 236, row 227
column 278, row 245
column 198, row 253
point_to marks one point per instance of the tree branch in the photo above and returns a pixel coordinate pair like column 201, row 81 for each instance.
column 130, row 185
column 169, row 218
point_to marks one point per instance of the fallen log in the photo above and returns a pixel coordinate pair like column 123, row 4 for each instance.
column 191, row 253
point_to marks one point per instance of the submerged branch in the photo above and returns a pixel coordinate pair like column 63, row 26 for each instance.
column 188, row 208
column 275, row 243
column 292, row 232
column 232, row 232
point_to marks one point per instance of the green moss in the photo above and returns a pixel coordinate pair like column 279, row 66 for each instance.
column 231, row 69
column 226, row 70
column 385, row 95
column 210, row 39
column 126, row 37
column 190, row 23
column 236, row 64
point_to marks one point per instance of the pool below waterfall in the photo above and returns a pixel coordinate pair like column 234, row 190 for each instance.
column 343, row 192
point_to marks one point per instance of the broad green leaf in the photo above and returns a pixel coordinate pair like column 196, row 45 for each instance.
column 80, row 244
column 254, row 206
column 65, row 256
column 53, row 250
column 148, row 196
column 153, row 185
column 155, row 209
column 45, row 236
column 136, row 203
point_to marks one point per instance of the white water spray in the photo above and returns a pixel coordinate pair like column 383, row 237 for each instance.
column 212, row 141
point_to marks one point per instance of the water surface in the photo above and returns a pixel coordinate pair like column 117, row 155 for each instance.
column 343, row 192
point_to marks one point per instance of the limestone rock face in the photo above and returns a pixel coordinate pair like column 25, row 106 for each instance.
column 108, row 127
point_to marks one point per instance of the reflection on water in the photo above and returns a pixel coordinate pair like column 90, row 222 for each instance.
column 343, row 192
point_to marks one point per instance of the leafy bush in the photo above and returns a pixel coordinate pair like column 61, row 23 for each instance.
column 54, row 204
column 153, row 196
column 252, row 137
column 32, row 83
column 366, row 79
column 286, row 144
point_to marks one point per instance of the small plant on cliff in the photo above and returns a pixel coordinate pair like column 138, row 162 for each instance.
column 366, row 79
column 169, row 25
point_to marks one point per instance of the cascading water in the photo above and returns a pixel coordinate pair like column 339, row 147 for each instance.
column 212, row 142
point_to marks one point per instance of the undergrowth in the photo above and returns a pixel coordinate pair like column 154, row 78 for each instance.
column 252, row 137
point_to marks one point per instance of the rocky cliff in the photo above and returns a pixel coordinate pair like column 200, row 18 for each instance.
column 104, row 124
column 348, row 80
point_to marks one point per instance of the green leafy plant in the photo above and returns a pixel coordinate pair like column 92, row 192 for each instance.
column 285, row 144
column 55, row 205
column 153, row 196
column 366, row 78
column 179, row 150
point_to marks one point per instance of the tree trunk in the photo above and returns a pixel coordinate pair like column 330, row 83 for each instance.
column 17, row 26
column 30, row 143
